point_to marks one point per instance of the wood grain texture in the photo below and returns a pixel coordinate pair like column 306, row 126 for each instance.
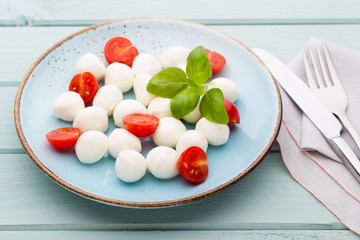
column 268, row 198
column 9, row 141
column 13, row 67
column 52, row 12
column 15, row 60
column 17, row 56
column 177, row 235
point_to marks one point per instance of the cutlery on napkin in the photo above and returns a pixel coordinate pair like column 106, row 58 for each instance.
column 306, row 153
column 313, row 108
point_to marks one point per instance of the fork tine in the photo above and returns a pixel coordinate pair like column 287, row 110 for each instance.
column 323, row 68
column 333, row 74
column 309, row 74
column 316, row 69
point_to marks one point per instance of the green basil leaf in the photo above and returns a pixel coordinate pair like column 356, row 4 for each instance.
column 168, row 82
column 184, row 103
column 198, row 67
column 198, row 88
column 212, row 106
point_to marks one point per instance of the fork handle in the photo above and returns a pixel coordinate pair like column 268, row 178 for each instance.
column 350, row 128
column 346, row 154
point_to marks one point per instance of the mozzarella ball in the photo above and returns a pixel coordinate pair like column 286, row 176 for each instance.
column 141, row 94
column 89, row 62
column 168, row 132
column 120, row 139
column 146, row 63
column 174, row 56
column 228, row 87
column 191, row 138
column 216, row 134
column 160, row 107
column 130, row 166
column 161, row 162
column 182, row 67
column 127, row 107
column 91, row 118
column 107, row 97
column 193, row 116
column 120, row 75
column 67, row 105
column 91, row 146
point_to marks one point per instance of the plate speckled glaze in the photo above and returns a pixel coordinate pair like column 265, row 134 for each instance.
column 259, row 106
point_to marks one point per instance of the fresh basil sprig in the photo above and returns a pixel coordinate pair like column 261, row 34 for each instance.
column 185, row 89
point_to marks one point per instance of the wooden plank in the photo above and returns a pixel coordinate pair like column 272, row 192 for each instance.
column 15, row 60
column 9, row 141
column 267, row 199
column 6, row 18
column 285, row 40
column 17, row 57
column 177, row 235
column 52, row 12
column 13, row 67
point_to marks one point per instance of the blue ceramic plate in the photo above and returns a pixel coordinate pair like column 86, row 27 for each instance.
column 259, row 107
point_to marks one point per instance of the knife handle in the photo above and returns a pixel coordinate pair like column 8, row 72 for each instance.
column 347, row 155
column 349, row 127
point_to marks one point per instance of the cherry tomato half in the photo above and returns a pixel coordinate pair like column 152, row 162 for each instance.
column 217, row 61
column 120, row 50
column 86, row 85
column 192, row 165
column 63, row 138
column 232, row 112
column 141, row 125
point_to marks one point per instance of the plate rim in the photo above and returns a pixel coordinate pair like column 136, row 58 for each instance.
column 126, row 203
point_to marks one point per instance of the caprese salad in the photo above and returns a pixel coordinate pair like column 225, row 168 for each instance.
column 168, row 91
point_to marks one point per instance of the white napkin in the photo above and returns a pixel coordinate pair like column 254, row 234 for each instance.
column 306, row 153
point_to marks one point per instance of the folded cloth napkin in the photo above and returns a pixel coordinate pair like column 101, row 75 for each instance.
column 306, row 153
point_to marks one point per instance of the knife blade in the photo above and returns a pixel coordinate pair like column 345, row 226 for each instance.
column 316, row 111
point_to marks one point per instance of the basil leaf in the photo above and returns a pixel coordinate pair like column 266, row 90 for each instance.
column 198, row 67
column 184, row 103
column 212, row 106
column 168, row 82
column 198, row 88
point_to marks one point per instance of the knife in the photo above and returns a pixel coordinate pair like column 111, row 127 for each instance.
column 316, row 111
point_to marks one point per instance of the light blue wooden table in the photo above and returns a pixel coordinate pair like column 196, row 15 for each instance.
column 267, row 204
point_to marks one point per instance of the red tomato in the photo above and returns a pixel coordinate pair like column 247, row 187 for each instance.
column 86, row 85
column 232, row 112
column 192, row 165
column 217, row 61
column 141, row 125
column 63, row 138
column 120, row 50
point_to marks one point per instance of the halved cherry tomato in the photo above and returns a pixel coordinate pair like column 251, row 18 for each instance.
column 232, row 112
column 86, row 85
column 63, row 138
column 141, row 125
column 217, row 61
column 192, row 165
column 120, row 50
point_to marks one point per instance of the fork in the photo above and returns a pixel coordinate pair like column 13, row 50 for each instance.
column 327, row 86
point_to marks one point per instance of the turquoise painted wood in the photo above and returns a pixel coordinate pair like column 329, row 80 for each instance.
column 178, row 235
column 271, row 37
column 29, row 200
column 267, row 204
column 9, row 141
column 52, row 12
